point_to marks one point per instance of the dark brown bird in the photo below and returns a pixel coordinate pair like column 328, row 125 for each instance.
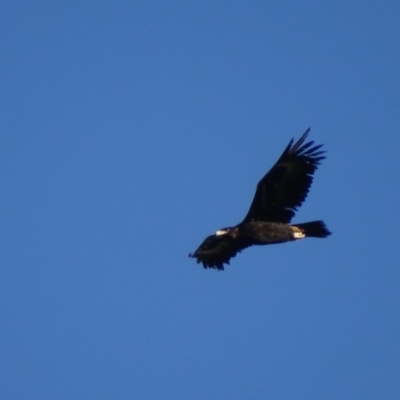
column 278, row 196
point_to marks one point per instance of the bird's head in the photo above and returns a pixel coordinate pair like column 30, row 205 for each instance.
column 222, row 231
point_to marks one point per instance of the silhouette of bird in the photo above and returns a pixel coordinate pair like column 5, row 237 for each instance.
column 278, row 196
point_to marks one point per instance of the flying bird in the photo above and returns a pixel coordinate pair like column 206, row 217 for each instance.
column 278, row 196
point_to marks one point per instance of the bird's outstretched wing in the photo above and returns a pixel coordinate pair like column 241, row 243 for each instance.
column 217, row 250
column 284, row 188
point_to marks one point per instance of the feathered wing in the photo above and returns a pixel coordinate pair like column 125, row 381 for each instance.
column 217, row 250
column 284, row 188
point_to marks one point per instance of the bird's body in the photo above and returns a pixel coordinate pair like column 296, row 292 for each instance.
column 260, row 232
column 279, row 193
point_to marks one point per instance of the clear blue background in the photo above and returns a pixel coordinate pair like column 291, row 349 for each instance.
column 129, row 131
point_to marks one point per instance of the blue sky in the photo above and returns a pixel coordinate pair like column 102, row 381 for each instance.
column 130, row 130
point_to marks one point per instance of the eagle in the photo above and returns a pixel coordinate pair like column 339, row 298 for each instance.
column 278, row 196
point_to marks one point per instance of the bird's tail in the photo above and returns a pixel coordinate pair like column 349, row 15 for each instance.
column 313, row 229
